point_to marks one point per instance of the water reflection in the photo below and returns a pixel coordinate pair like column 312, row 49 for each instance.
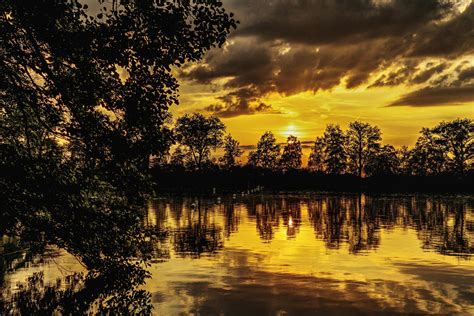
column 109, row 253
column 196, row 239
column 442, row 224
column 243, row 288
column 331, row 254
column 263, row 254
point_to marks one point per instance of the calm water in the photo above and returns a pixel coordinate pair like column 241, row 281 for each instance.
column 303, row 254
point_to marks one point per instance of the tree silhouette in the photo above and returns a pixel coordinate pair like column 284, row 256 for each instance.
column 267, row 154
column 383, row 162
column 335, row 153
column 292, row 153
column 457, row 140
column 363, row 142
column 91, row 93
column 357, row 150
column 252, row 159
column 231, row 152
column 403, row 157
column 179, row 158
column 200, row 135
column 317, row 157
column 428, row 156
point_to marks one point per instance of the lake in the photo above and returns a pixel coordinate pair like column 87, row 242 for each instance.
column 291, row 254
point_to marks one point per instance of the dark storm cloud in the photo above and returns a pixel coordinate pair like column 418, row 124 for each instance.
column 411, row 71
column 466, row 74
column 292, row 46
column 452, row 38
column 301, row 68
column 246, row 61
column 326, row 22
column 454, row 87
column 426, row 74
column 397, row 76
column 240, row 102
column 435, row 96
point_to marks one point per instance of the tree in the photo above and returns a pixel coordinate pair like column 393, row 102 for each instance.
column 178, row 158
column 232, row 151
column 457, row 139
column 267, row 154
column 89, row 99
column 383, row 162
column 428, row 157
column 252, row 159
column 403, row 156
column 317, row 157
column 200, row 135
column 292, row 154
column 335, row 154
column 363, row 141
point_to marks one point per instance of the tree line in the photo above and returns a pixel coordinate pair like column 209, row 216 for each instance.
column 447, row 148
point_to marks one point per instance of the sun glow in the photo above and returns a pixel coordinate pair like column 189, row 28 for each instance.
column 292, row 130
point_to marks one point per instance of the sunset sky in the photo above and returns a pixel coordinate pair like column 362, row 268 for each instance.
column 293, row 66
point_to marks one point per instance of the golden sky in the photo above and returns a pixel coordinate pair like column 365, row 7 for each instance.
column 294, row 66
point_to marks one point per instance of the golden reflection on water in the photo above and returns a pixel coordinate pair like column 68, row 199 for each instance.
column 328, row 253
column 332, row 254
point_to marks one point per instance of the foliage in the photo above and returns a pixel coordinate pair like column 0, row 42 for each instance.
column 383, row 162
column 445, row 149
column 317, row 156
column 232, row 151
column 363, row 141
column 84, row 103
column 457, row 140
column 335, row 151
column 428, row 156
column 403, row 157
column 292, row 154
column 200, row 135
column 267, row 154
column 179, row 158
column 252, row 159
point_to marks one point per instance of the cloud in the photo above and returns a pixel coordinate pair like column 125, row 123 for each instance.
column 453, row 88
column 411, row 72
column 424, row 75
column 452, row 38
column 466, row 74
column 398, row 75
column 292, row 46
column 436, row 96
column 241, row 102
column 319, row 22
column 245, row 61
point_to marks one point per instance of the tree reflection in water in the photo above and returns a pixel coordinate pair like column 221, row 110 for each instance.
column 196, row 239
column 113, row 251
column 115, row 254
column 443, row 224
